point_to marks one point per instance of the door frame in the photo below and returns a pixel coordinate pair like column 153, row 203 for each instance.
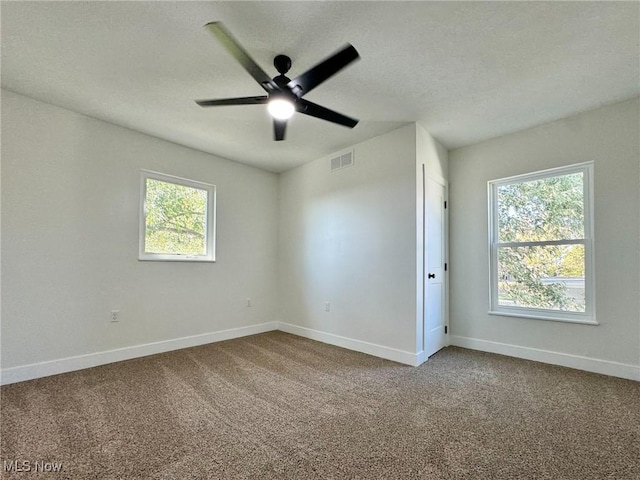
column 422, row 261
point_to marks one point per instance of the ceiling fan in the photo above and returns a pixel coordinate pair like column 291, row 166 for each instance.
column 284, row 96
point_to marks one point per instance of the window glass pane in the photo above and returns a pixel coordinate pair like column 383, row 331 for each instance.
column 175, row 221
column 546, row 209
column 549, row 277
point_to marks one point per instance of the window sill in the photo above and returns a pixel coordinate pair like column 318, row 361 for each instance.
column 176, row 259
column 545, row 316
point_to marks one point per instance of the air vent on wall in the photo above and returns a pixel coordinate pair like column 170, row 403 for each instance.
column 342, row 161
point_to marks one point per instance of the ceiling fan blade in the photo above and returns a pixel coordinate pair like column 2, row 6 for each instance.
column 313, row 77
column 234, row 101
column 279, row 126
column 314, row 110
column 232, row 46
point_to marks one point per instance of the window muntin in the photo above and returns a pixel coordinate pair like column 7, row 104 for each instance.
column 177, row 220
column 541, row 245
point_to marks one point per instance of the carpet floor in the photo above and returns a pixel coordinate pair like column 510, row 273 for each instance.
column 277, row 406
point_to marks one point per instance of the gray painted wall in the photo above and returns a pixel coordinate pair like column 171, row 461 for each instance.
column 610, row 137
column 349, row 237
column 70, row 200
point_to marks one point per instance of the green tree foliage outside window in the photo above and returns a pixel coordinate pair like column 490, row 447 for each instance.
column 175, row 219
column 542, row 275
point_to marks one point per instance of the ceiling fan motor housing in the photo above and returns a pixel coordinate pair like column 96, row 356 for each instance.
column 281, row 81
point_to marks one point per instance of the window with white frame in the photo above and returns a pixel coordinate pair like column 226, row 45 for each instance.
column 541, row 245
column 177, row 219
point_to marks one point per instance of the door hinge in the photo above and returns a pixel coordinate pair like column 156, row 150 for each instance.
column 445, row 204
column 445, row 267
column 445, row 329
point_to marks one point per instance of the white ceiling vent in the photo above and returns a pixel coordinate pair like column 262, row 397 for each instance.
column 342, row 161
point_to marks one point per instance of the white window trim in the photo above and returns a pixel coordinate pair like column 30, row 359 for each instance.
column 589, row 315
column 211, row 219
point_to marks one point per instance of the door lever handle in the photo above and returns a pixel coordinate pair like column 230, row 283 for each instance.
column 431, row 275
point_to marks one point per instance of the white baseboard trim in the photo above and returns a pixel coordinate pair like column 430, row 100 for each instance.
column 70, row 364
column 381, row 351
column 605, row 367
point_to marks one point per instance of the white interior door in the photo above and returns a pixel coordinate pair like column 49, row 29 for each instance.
column 435, row 256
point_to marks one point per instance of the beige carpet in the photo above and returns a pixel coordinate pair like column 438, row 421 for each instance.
column 276, row 406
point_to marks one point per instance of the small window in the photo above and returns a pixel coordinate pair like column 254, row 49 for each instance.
column 541, row 245
column 177, row 219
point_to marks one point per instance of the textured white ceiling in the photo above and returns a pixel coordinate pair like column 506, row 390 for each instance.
column 465, row 71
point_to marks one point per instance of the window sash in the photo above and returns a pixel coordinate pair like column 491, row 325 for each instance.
column 210, row 218
column 588, row 316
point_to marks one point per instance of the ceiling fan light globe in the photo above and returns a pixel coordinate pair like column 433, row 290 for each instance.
column 280, row 109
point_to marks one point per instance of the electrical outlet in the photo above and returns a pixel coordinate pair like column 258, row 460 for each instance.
column 115, row 316
column 327, row 306
column 248, row 304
